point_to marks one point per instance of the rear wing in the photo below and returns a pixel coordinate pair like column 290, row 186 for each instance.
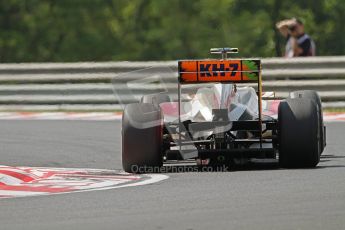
column 222, row 71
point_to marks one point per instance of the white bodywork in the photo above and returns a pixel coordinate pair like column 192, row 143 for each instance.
column 219, row 96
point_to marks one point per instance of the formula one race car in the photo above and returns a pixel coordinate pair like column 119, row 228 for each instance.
column 221, row 123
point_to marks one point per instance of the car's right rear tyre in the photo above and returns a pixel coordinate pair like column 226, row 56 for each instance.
column 298, row 133
column 142, row 127
column 314, row 96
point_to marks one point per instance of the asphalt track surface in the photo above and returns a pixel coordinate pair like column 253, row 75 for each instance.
column 256, row 197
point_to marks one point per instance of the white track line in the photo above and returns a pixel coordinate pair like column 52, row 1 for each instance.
column 54, row 181
column 61, row 116
column 101, row 116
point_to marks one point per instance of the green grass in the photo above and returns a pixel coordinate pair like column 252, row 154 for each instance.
column 334, row 110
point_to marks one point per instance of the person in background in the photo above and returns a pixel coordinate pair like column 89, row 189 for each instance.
column 299, row 44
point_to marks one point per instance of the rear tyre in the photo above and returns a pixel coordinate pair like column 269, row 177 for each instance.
column 298, row 133
column 155, row 99
column 314, row 96
column 142, row 128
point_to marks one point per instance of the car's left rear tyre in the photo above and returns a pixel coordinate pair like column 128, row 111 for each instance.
column 142, row 127
column 156, row 98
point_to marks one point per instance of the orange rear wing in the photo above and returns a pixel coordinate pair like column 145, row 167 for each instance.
column 223, row 71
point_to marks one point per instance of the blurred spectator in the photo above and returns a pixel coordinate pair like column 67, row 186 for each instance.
column 298, row 43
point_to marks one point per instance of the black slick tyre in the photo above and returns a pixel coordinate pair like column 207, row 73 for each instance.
column 155, row 99
column 298, row 133
column 314, row 96
column 142, row 127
